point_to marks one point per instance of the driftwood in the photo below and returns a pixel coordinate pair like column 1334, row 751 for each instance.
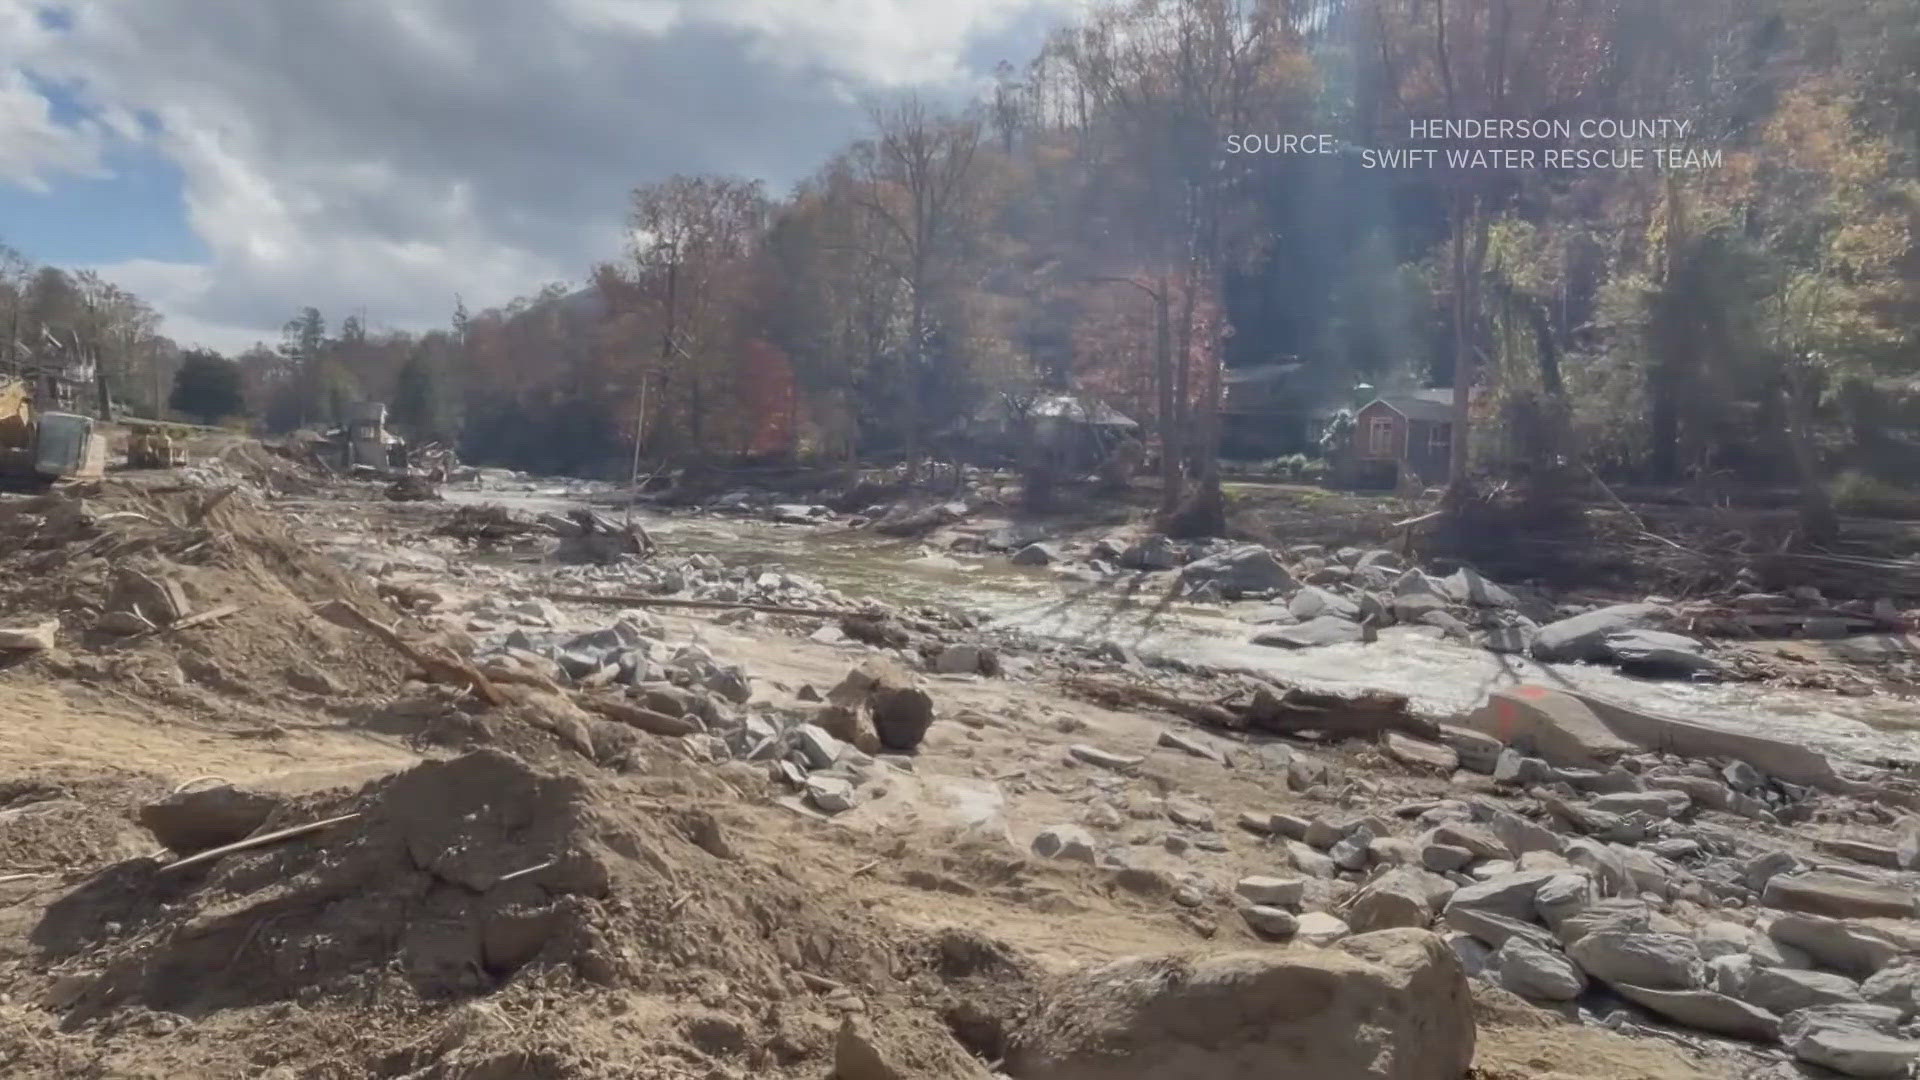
column 1290, row 711
column 260, row 841
column 657, row 723
column 439, row 665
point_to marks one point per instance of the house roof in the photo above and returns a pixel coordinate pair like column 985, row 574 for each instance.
column 1074, row 407
column 1427, row 406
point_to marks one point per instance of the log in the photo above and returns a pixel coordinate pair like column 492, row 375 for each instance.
column 1285, row 712
column 252, row 842
column 444, row 668
column 647, row 720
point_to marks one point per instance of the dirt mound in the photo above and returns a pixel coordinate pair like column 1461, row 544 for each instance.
column 456, row 875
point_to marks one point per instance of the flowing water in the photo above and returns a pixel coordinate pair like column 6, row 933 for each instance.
column 1442, row 678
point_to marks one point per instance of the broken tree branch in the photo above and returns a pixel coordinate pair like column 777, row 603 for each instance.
column 445, row 668
column 263, row 840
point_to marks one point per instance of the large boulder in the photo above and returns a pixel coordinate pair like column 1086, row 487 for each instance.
column 1387, row 1006
column 190, row 821
column 1245, row 569
column 1538, row 973
column 1466, row 586
column 1402, row 897
column 1653, row 961
column 1151, row 553
column 1707, row 1011
column 899, row 709
column 1783, row 991
column 1852, row 1040
column 1584, row 637
column 1855, row 949
column 1840, row 897
column 1659, row 654
column 1313, row 602
column 1551, row 724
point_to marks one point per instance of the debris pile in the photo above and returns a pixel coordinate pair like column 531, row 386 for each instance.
column 464, row 877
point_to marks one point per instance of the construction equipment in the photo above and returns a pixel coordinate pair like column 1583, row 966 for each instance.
column 43, row 447
column 150, row 447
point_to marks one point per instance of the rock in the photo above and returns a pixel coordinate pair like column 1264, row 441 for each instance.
column 1192, row 744
column 1442, row 858
column 1706, row 1011
column 1466, row 586
column 1839, row 897
column 1561, row 897
column 1322, row 929
column 819, row 749
column 1859, row 851
column 1730, row 975
column 1272, row 891
column 1314, row 633
column 961, row 659
column 1721, row 938
column 36, row 638
column 1150, row 553
column 1308, row 861
column 1907, row 850
column 1654, row 961
column 1476, row 750
column 1897, row 987
column 1534, row 972
column 1522, row 836
column 1192, row 815
column 1402, row 897
column 1288, row 826
column 1270, row 921
column 190, row 821
column 309, row 679
column 1603, row 863
column 1783, row 992
column 901, row 714
column 1657, row 804
column 1420, row 753
column 1312, row 602
column 1855, row 1040
column 1481, row 842
column 1105, row 759
column 1069, row 842
column 1552, row 724
column 1245, row 569
column 1516, row 769
column 830, row 794
column 1511, row 895
column 1035, row 555
column 1583, row 637
column 1391, row 1006
column 1761, row 868
column 1495, row 930
column 1850, row 948
column 124, row 624
column 1658, row 654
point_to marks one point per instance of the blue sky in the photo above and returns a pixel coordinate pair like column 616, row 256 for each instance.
column 235, row 160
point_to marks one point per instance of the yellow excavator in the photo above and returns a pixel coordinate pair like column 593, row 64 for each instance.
column 41, row 447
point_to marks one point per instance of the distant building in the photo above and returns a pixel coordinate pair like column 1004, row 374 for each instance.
column 1081, row 429
column 1268, row 411
column 1400, row 433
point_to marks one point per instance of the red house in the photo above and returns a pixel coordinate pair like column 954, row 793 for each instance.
column 1401, row 434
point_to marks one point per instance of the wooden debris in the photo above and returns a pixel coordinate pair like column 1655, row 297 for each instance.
column 263, row 840
column 647, row 720
column 439, row 664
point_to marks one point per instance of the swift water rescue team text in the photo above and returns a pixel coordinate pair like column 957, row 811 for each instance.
column 1608, row 144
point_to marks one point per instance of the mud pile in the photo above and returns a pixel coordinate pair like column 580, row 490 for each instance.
column 465, row 877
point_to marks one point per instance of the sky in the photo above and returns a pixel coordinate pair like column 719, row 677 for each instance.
column 233, row 161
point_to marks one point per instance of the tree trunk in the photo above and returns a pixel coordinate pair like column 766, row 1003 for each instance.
column 1462, row 352
column 1170, row 441
column 1819, row 523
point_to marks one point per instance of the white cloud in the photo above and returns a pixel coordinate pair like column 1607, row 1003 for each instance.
column 34, row 148
column 387, row 154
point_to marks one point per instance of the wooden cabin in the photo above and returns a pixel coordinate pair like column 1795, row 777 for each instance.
column 1403, row 434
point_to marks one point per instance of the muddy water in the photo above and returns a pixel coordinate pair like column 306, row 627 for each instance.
column 1442, row 678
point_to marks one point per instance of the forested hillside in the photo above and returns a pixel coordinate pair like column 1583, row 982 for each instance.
column 1083, row 225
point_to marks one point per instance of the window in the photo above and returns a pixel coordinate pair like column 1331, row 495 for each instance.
column 1380, row 437
column 1440, row 440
